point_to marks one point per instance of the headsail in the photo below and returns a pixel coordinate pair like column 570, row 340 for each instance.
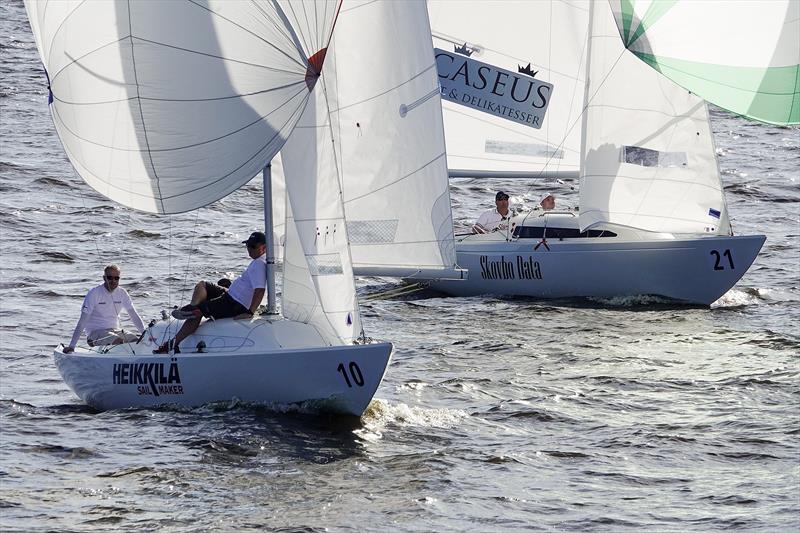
column 318, row 286
column 548, row 37
column 649, row 157
column 202, row 94
column 387, row 129
column 743, row 56
column 387, row 120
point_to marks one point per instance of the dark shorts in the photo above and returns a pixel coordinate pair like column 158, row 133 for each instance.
column 219, row 304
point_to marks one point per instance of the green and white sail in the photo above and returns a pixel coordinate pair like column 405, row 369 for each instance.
column 743, row 56
column 648, row 157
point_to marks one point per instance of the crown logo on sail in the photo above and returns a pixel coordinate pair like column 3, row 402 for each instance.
column 527, row 70
column 463, row 50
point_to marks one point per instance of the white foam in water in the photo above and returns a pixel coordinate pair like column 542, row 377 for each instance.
column 631, row 301
column 381, row 413
column 738, row 298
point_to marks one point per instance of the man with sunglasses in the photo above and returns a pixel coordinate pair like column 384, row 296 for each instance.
column 497, row 219
column 239, row 301
column 100, row 313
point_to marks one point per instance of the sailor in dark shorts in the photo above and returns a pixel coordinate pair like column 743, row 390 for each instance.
column 239, row 301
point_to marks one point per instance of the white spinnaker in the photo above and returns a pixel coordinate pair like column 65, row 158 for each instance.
column 169, row 106
column 551, row 36
column 649, row 156
column 390, row 139
column 318, row 286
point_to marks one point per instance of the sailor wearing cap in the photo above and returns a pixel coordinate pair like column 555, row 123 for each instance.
column 240, row 300
column 497, row 219
column 547, row 201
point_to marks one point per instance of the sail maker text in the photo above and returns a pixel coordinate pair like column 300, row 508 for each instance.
column 156, row 378
column 519, row 268
column 512, row 96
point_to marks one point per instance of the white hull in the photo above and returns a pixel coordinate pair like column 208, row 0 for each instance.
column 693, row 270
column 260, row 361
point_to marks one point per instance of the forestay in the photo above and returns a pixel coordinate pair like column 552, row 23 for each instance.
column 650, row 161
column 202, row 94
column 551, row 37
column 740, row 55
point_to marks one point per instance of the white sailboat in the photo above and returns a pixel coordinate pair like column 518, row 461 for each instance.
column 168, row 106
column 653, row 218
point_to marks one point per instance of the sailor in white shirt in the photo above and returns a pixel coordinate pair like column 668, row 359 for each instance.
column 239, row 302
column 497, row 219
column 100, row 313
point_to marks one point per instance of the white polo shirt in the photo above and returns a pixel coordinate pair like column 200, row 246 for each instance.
column 491, row 220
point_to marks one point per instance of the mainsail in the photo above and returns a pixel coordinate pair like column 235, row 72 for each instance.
column 550, row 37
column 387, row 121
column 743, row 56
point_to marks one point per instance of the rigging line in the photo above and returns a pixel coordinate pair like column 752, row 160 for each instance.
column 189, row 255
column 393, row 293
column 301, row 90
column 169, row 263
column 577, row 119
column 259, row 37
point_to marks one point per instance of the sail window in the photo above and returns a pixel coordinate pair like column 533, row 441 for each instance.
column 518, row 148
column 371, row 231
column 645, row 157
column 324, row 264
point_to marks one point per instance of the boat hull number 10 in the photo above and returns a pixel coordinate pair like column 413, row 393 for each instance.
column 354, row 376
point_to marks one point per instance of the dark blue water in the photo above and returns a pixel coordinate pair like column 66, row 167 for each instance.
column 496, row 414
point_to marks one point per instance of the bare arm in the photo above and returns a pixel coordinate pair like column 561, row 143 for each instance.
column 258, row 295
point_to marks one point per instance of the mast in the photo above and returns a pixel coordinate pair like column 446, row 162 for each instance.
column 267, row 178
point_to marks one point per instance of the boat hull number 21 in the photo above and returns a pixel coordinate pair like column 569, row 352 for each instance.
column 720, row 260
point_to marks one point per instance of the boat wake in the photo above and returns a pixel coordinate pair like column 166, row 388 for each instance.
column 741, row 297
column 381, row 414
column 632, row 301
